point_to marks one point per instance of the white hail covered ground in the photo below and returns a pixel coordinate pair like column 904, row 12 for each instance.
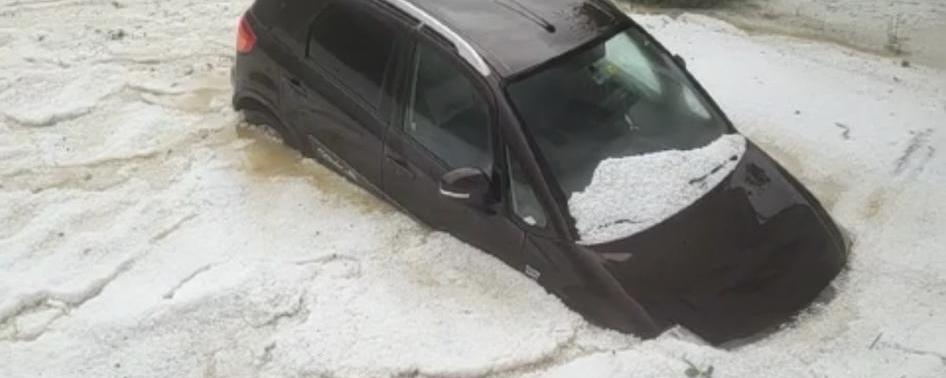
column 143, row 234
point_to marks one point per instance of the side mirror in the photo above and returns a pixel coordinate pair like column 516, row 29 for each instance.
column 469, row 186
column 680, row 61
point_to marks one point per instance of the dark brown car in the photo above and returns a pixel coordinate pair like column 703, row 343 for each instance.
column 556, row 135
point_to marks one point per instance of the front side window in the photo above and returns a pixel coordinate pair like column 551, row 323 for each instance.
column 627, row 136
column 446, row 114
column 353, row 46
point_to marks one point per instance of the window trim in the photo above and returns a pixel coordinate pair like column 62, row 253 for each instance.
column 548, row 230
column 463, row 48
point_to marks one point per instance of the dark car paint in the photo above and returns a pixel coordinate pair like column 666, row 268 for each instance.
column 757, row 249
column 514, row 35
column 724, row 267
column 412, row 177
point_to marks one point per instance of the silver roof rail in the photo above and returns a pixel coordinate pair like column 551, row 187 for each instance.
column 466, row 51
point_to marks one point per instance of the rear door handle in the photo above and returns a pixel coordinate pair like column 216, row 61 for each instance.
column 296, row 85
column 401, row 167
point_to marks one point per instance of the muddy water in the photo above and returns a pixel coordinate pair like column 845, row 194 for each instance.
column 267, row 157
column 201, row 95
column 199, row 100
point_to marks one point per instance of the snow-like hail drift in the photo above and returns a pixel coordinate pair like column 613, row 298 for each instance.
column 631, row 194
column 143, row 234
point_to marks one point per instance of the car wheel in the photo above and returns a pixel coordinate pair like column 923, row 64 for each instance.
column 258, row 115
column 262, row 118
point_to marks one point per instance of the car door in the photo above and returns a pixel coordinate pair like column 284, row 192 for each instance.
column 339, row 101
column 446, row 122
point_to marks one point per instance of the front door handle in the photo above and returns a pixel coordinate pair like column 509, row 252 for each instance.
column 401, row 167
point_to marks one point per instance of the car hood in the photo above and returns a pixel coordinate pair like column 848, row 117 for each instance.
column 743, row 259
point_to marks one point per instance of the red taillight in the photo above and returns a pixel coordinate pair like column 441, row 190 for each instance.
column 246, row 38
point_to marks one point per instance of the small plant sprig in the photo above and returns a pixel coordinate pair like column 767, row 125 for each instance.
column 695, row 372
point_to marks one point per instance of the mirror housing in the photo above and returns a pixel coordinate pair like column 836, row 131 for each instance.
column 680, row 61
column 469, row 186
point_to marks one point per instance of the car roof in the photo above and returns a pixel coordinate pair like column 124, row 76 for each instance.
column 514, row 36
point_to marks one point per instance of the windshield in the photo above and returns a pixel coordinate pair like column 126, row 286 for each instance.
column 623, row 102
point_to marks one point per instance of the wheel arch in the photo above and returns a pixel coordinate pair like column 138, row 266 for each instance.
column 259, row 111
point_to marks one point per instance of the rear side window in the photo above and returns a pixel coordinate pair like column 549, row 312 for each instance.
column 354, row 47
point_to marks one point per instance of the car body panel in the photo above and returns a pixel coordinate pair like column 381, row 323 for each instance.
column 514, row 35
column 335, row 123
column 744, row 258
